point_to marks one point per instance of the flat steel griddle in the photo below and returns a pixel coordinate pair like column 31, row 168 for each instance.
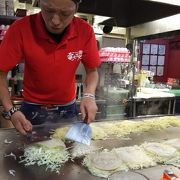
column 71, row 170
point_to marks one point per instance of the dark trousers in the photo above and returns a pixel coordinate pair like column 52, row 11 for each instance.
column 39, row 114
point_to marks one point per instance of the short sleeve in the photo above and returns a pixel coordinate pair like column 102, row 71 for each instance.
column 91, row 57
column 11, row 51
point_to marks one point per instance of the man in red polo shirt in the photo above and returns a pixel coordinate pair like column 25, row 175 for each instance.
column 52, row 43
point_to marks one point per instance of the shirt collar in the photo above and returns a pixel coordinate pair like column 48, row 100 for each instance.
column 70, row 33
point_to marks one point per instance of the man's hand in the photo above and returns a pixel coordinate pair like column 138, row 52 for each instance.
column 88, row 108
column 21, row 123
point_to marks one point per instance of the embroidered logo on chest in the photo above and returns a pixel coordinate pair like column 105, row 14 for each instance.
column 75, row 56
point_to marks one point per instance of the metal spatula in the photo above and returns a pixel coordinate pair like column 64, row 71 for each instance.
column 80, row 132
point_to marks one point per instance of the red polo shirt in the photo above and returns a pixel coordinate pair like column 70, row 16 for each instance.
column 50, row 68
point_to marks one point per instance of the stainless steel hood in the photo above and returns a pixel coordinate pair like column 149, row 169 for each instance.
column 152, row 18
column 127, row 13
column 143, row 17
column 165, row 27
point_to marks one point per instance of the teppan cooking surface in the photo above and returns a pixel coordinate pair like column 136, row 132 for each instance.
column 71, row 170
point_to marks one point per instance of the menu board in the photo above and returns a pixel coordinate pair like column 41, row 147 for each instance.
column 146, row 48
column 160, row 71
column 145, row 59
column 153, row 69
column 162, row 49
column 154, row 48
column 153, row 58
column 146, row 68
column 161, row 60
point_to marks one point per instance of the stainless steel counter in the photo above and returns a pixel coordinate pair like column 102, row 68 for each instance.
column 153, row 102
column 153, row 106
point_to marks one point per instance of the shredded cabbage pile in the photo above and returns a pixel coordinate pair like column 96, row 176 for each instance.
column 60, row 132
column 78, row 149
column 134, row 157
column 98, row 133
column 174, row 143
column 159, row 152
column 53, row 157
column 102, row 131
column 104, row 163
column 175, row 161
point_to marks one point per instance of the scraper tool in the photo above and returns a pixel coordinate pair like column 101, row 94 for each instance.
column 80, row 132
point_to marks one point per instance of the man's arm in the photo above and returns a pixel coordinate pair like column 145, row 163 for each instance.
column 4, row 94
column 18, row 119
column 88, row 105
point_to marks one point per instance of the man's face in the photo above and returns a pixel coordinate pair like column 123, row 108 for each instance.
column 57, row 14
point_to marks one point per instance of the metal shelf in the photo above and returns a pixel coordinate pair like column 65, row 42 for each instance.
column 7, row 20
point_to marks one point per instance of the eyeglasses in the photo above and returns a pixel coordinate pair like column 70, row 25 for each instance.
column 63, row 14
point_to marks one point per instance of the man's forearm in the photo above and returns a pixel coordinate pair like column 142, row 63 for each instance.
column 4, row 93
column 91, row 80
